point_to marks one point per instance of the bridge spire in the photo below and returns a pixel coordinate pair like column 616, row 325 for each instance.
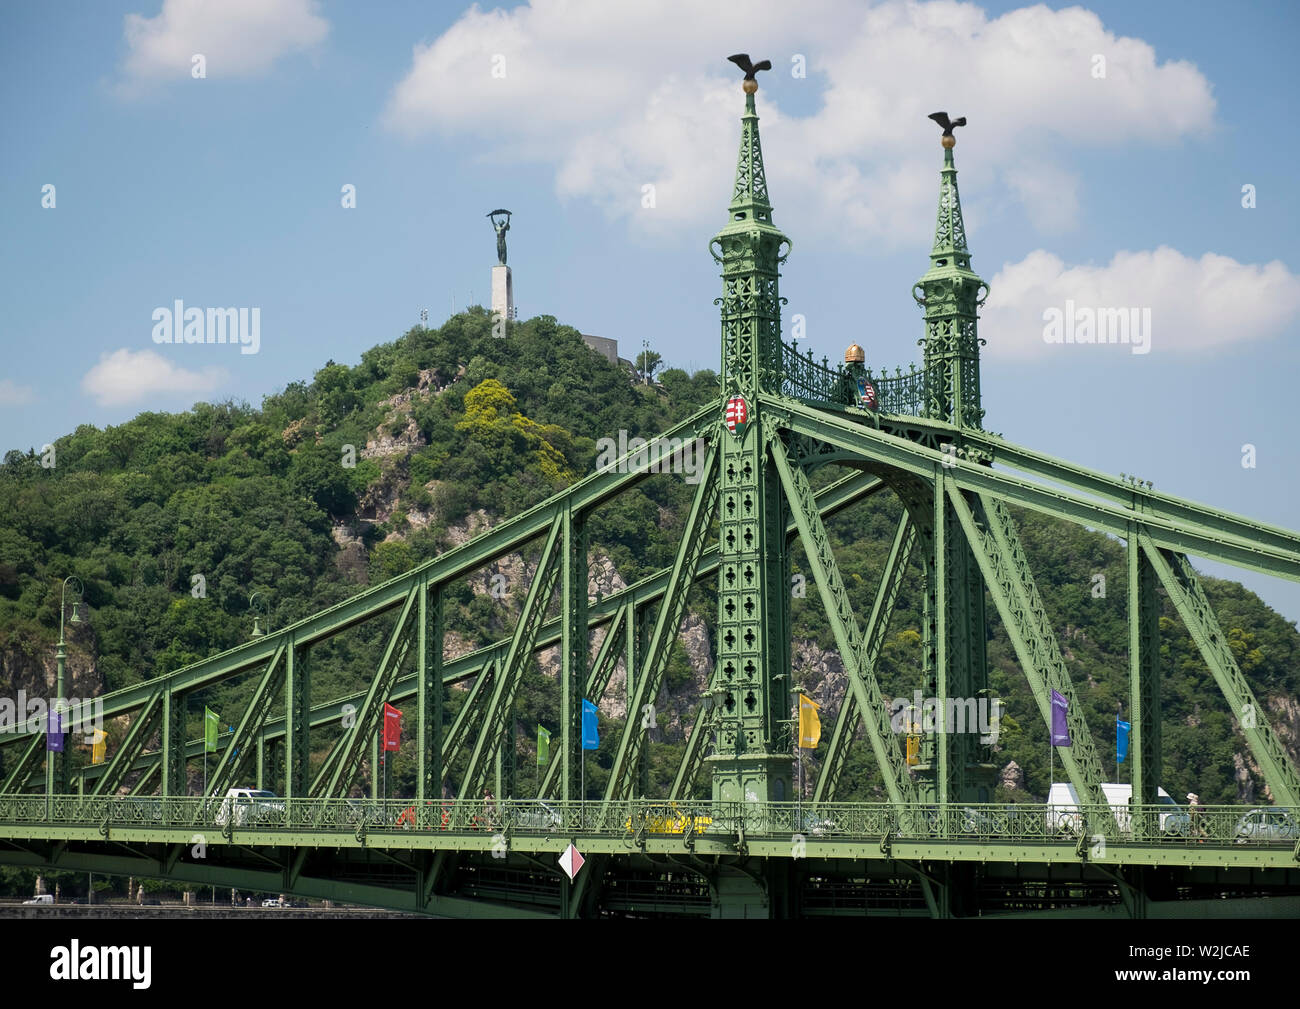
column 749, row 251
column 950, row 295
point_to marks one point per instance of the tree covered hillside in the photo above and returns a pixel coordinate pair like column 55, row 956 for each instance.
column 174, row 521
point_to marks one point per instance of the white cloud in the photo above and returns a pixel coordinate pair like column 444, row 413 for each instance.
column 1196, row 304
column 13, row 394
column 236, row 37
column 126, row 376
column 613, row 96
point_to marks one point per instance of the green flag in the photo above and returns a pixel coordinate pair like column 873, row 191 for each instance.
column 210, row 721
column 543, row 747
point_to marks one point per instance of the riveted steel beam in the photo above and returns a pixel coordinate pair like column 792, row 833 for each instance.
column 1180, row 580
column 919, row 460
column 858, row 662
column 146, row 722
column 882, row 609
column 996, row 547
column 667, row 622
column 370, row 715
column 1147, row 501
column 497, row 715
column 1144, row 675
column 602, row 667
column 236, row 757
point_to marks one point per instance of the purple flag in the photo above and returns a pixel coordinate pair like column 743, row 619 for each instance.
column 1060, row 730
column 54, row 733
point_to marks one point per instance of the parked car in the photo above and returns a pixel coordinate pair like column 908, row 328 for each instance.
column 247, row 806
column 1264, row 825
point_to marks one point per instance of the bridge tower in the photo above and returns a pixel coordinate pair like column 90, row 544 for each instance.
column 752, row 759
column 955, row 765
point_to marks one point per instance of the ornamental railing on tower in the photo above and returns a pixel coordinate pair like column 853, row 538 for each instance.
column 905, row 393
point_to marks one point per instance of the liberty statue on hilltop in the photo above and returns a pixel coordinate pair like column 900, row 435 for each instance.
column 501, row 226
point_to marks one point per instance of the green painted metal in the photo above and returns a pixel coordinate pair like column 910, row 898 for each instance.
column 496, row 718
column 933, row 840
column 950, row 298
column 882, row 448
column 859, row 663
column 752, row 758
column 1184, row 588
column 1144, row 674
column 891, row 580
column 602, row 667
column 573, row 650
column 997, row 549
column 242, row 752
column 144, row 726
column 297, row 735
column 429, row 694
column 24, row 764
column 633, row 737
column 365, row 729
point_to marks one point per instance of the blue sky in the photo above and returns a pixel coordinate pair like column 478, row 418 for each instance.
column 1123, row 190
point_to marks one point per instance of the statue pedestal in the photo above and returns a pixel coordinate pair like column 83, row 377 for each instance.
column 503, row 299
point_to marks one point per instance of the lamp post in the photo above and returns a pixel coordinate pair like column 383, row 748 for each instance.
column 257, row 611
column 56, row 766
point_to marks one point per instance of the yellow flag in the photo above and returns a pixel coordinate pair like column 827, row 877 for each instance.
column 98, row 747
column 810, row 726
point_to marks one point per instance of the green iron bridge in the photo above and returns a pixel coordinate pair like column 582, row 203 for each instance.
column 754, row 845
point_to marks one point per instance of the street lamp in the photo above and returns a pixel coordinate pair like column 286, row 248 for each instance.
column 56, row 762
column 257, row 612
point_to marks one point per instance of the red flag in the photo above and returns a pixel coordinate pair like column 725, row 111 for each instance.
column 392, row 728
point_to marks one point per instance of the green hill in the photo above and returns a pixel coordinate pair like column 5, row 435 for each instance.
column 173, row 521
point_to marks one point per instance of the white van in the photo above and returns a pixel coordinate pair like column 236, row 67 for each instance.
column 1063, row 808
column 246, row 806
column 41, row 898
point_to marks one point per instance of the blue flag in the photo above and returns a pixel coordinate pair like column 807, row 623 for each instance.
column 590, row 735
column 1121, row 740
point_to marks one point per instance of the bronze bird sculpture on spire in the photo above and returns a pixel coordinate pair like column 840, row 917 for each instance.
column 942, row 119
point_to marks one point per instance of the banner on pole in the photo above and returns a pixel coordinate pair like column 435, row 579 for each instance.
column 1060, row 727
column 211, row 726
column 54, row 733
column 590, row 731
column 810, row 725
column 392, row 728
column 1121, row 740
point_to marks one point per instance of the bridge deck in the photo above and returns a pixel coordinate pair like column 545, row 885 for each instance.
column 1154, row 835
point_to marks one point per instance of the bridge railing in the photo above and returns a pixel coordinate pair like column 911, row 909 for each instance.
column 905, row 393
column 1160, row 825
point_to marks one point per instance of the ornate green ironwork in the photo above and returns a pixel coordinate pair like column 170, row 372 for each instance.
column 735, row 851
column 950, row 296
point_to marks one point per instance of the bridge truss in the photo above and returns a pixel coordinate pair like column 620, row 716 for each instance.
column 734, row 835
